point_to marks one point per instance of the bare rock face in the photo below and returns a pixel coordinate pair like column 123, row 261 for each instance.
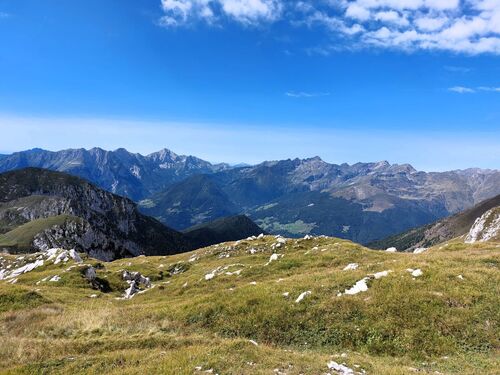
column 89, row 219
column 486, row 227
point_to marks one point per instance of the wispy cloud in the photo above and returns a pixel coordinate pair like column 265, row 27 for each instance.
column 473, row 90
column 462, row 90
column 464, row 26
column 4, row 15
column 493, row 89
column 457, row 69
column 303, row 94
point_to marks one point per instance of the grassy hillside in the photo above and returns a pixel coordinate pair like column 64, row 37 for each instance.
column 229, row 308
column 21, row 237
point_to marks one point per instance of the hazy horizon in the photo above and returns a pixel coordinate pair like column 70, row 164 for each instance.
column 245, row 81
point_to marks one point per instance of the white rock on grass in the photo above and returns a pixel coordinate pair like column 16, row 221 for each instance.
column 351, row 266
column 273, row 258
column 286, row 294
column 391, row 250
column 210, row 276
column 341, row 369
column 55, row 278
column 460, row 277
column 360, row 286
column 415, row 273
column 260, row 236
column 307, row 237
column 419, row 250
column 381, row 274
column 302, row 296
column 134, row 279
column 26, row 268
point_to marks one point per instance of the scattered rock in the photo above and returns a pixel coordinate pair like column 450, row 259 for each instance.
column 415, row 273
column 341, row 369
column 391, row 250
column 55, row 278
column 351, row 266
column 21, row 270
column 274, row 257
column 381, row 274
column 134, row 279
column 302, row 296
column 419, row 250
column 360, row 286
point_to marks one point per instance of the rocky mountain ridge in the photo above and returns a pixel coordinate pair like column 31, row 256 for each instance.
column 362, row 202
column 121, row 172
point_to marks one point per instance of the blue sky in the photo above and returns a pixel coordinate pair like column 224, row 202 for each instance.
column 247, row 80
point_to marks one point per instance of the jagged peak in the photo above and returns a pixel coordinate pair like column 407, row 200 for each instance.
column 164, row 154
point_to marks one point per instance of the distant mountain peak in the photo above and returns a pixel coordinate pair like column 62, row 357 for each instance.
column 164, row 155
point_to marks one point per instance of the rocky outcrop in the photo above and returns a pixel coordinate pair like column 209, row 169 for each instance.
column 94, row 221
column 486, row 227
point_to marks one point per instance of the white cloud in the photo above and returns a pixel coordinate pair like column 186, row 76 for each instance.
column 181, row 12
column 470, row 90
column 430, row 23
column 393, row 17
column 462, row 26
column 493, row 89
column 462, row 90
column 357, row 12
column 303, row 94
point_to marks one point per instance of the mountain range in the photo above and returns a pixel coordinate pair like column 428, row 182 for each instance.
column 362, row 202
column 121, row 172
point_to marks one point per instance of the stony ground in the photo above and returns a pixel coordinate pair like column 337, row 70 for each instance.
column 260, row 306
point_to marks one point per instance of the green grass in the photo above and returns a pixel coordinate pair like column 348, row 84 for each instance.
column 436, row 322
column 22, row 236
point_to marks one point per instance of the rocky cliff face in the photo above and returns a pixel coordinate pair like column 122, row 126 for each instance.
column 486, row 227
column 96, row 221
